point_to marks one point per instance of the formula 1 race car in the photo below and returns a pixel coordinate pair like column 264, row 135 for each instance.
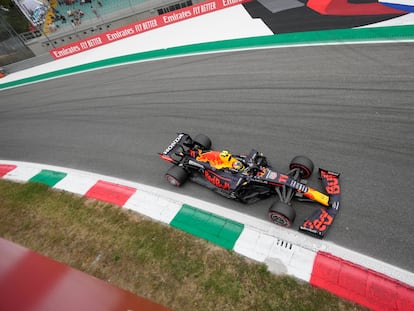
column 249, row 178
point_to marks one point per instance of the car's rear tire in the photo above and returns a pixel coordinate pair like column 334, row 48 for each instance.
column 176, row 176
column 304, row 164
column 282, row 214
column 202, row 141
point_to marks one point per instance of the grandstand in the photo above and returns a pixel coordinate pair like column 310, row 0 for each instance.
column 71, row 20
column 72, row 13
column 68, row 14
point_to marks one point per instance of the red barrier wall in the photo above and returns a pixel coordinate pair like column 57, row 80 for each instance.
column 30, row 281
column 361, row 285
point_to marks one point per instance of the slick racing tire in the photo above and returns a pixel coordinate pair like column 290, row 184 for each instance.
column 304, row 164
column 176, row 176
column 202, row 141
column 282, row 214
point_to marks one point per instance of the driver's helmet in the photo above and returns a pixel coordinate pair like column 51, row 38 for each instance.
column 237, row 165
column 229, row 161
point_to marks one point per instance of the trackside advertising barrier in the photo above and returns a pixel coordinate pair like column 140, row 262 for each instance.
column 143, row 26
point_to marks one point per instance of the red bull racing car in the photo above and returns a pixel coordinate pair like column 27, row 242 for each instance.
column 249, row 178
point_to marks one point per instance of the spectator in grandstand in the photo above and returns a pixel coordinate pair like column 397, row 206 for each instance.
column 52, row 27
column 95, row 11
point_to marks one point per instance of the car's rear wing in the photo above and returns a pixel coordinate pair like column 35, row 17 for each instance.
column 171, row 153
column 321, row 220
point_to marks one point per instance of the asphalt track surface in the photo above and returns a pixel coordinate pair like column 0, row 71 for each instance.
column 348, row 107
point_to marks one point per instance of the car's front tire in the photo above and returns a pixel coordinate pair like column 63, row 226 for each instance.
column 304, row 164
column 282, row 214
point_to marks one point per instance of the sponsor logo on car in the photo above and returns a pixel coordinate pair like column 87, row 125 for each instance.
column 173, row 144
column 216, row 180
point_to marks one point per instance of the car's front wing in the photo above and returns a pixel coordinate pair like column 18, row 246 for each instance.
column 321, row 220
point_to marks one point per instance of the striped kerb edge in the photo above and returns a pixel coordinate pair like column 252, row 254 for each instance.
column 6, row 168
column 216, row 229
column 48, row 177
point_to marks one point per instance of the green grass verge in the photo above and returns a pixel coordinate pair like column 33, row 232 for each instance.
column 147, row 258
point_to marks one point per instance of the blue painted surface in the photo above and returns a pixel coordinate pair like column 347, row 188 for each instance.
column 400, row 6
